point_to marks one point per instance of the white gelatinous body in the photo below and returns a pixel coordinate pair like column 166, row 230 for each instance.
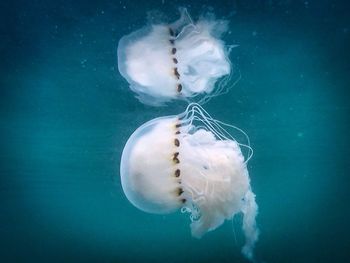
column 170, row 163
column 146, row 167
column 162, row 62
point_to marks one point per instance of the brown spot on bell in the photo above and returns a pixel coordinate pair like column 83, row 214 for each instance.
column 177, row 172
column 177, row 74
column 173, row 51
column 179, row 87
column 177, row 142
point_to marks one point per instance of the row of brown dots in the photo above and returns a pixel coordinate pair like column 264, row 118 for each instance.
column 176, row 161
column 173, row 52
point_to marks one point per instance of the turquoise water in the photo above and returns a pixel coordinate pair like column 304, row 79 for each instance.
column 66, row 114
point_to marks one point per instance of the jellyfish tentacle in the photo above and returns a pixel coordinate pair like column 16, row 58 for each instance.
column 194, row 112
column 184, row 29
column 222, row 86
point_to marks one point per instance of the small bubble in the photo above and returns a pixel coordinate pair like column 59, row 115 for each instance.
column 83, row 63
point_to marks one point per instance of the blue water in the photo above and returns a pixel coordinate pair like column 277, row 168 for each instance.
column 66, row 114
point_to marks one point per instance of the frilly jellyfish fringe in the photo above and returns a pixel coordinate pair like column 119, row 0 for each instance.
column 183, row 60
column 191, row 162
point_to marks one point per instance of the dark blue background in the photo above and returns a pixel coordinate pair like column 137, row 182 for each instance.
column 66, row 113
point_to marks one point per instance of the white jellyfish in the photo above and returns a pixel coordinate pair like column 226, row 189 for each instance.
column 190, row 162
column 184, row 59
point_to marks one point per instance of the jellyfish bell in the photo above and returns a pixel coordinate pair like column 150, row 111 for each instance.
column 190, row 162
column 182, row 60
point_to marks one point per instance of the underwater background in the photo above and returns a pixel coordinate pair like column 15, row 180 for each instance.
column 66, row 114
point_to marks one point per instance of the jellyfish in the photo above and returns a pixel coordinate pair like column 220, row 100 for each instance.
column 181, row 60
column 190, row 162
